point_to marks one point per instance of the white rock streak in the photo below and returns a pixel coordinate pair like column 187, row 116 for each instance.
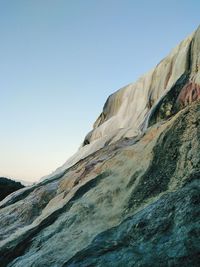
column 126, row 112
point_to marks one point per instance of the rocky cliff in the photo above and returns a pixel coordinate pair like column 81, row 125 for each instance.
column 130, row 195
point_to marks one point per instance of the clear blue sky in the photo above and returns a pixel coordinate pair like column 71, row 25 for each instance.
column 60, row 59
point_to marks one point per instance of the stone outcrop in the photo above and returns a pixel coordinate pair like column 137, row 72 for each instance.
column 130, row 196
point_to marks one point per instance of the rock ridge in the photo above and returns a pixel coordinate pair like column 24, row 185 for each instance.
column 127, row 112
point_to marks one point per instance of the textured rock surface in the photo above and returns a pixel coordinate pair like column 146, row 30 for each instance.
column 165, row 233
column 8, row 186
column 132, row 202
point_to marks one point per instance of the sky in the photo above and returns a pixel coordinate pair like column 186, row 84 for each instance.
column 61, row 59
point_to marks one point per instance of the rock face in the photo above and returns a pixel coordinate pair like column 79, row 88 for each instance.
column 126, row 113
column 8, row 186
column 131, row 194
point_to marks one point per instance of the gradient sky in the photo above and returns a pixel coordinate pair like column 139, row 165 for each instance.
column 60, row 59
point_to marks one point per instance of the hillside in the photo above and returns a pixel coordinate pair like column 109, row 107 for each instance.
column 8, row 186
column 130, row 196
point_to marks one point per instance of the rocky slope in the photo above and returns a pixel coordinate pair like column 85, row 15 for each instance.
column 126, row 113
column 8, row 186
column 130, row 196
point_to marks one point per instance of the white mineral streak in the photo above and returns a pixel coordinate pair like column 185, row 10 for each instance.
column 126, row 111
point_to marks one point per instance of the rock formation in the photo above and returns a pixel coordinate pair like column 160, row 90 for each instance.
column 130, row 195
column 8, row 186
